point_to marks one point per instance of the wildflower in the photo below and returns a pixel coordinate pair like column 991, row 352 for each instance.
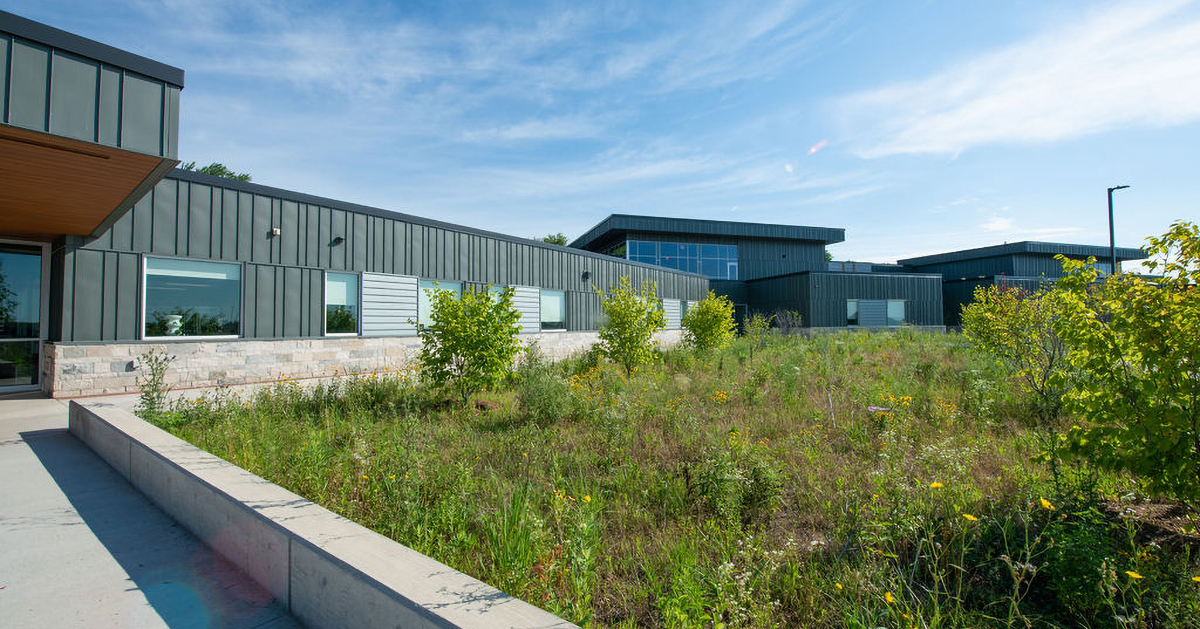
column 1133, row 575
column 1046, row 504
column 1196, row 579
column 936, row 485
column 364, row 475
column 970, row 517
column 392, row 477
column 587, row 498
column 887, row 596
column 839, row 585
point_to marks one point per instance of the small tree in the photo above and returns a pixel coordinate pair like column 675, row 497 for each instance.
column 556, row 239
column 757, row 328
column 1136, row 344
column 217, row 169
column 1017, row 326
column 632, row 319
column 471, row 342
column 709, row 323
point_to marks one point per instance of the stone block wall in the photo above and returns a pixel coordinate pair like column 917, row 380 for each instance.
column 83, row 369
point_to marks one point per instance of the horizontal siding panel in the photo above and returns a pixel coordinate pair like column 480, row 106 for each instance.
column 389, row 304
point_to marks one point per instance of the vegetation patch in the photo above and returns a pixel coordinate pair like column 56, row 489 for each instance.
column 848, row 480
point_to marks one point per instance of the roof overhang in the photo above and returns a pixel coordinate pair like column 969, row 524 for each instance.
column 51, row 185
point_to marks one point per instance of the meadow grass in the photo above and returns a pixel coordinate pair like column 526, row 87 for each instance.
column 849, row 480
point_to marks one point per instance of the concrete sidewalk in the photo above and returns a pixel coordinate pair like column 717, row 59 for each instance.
column 79, row 547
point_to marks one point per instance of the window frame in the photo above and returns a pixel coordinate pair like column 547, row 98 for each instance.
column 888, row 312
column 852, row 322
column 325, row 303
column 241, row 267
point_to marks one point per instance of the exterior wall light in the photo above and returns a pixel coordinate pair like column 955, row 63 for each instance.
column 587, row 275
column 337, row 240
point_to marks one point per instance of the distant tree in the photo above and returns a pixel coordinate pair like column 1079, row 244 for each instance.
column 828, row 256
column 217, row 169
column 556, row 239
column 632, row 319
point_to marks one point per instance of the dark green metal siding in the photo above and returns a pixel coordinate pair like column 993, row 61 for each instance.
column 766, row 258
column 200, row 217
column 821, row 297
column 974, row 268
column 599, row 236
column 66, row 94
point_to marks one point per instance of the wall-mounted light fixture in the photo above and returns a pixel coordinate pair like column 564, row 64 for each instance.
column 337, row 240
column 275, row 232
column 587, row 275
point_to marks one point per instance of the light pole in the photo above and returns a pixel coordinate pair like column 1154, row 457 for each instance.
column 1112, row 239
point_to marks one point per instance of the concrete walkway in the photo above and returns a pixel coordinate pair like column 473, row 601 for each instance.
column 79, row 547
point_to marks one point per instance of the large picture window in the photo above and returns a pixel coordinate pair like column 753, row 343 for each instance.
column 192, row 298
column 341, row 303
column 554, row 310
column 719, row 262
column 423, row 297
column 895, row 312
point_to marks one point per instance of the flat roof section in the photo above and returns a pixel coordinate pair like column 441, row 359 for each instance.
column 1026, row 247
column 70, row 42
column 622, row 223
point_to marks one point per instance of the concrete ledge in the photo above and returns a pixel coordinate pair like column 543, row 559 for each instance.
column 326, row 570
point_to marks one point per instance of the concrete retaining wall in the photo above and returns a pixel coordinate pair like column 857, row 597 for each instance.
column 79, row 369
column 326, row 570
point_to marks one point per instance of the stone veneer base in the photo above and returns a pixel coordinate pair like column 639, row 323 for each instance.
column 82, row 369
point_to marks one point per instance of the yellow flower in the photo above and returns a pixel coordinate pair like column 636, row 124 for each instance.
column 392, row 477
column 839, row 585
column 1196, row 579
column 587, row 498
column 936, row 485
column 970, row 517
column 364, row 475
column 887, row 596
column 1132, row 574
column 1046, row 504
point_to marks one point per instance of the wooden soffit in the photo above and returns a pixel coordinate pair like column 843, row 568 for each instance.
column 51, row 185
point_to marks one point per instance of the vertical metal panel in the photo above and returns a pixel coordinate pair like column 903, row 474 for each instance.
column 143, row 220
column 126, row 298
column 109, row 118
column 5, row 44
column 264, row 300
column 164, row 217
column 249, row 301
column 260, row 229
column 289, row 233
column 337, row 229
column 528, row 301
column 389, row 304
column 315, row 302
column 293, row 306
column 108, row 296
column 171, row 122
column 673, row 312
column 28, row 85
column 73, row 88
column 361, row 242
column 229, row 225
column 141, row 115
column 245, row 226
column 89, row 294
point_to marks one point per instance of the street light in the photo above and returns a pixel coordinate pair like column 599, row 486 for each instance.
column 1112, row 239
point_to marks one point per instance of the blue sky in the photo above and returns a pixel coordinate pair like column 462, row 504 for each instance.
column 917, row 126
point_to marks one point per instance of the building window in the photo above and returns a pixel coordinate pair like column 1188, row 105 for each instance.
column 423, row 297
column 895, row 312
column 554, row 310
column 341, row 303
column 851, row 312
column 718, row 262
column 191, row 298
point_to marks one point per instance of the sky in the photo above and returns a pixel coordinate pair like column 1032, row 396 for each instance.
column 918, row 127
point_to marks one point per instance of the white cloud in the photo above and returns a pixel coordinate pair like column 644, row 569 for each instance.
column 1135, row 64
column 997, row 223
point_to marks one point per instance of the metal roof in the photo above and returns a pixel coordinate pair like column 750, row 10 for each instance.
column 622, row 223
column 300, row 197
column 70, row 42
column 1026, row 247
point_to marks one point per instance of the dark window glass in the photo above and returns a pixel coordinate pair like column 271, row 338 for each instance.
column 710, row 251
column 712, row 268
column 192, row 298
column 851, row 312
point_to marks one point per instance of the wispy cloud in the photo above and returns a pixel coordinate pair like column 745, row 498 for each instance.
column 1125, row 65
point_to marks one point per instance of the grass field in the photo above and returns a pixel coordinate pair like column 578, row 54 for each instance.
column 849, row 480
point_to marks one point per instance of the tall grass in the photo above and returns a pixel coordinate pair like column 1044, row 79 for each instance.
column 849, row 480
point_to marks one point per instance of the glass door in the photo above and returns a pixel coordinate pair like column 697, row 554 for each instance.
column 20, row 315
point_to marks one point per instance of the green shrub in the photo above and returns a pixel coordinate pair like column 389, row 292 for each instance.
column 631, row 320
column 471, row 342
column 152, row 387
column 1135, row 342
column 709, row 324
column 738, row 481
column 543, row 395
